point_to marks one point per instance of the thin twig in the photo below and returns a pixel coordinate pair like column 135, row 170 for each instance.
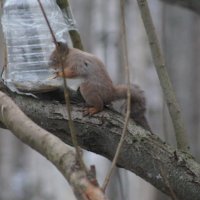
column 67, row 98
column 126, row 66
column 173, row 106
column 165, row 118
column 48, row 24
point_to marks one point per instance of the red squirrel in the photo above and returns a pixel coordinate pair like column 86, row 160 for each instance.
column 97, row 88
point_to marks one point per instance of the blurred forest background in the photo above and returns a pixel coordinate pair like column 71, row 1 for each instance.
column 24, row 174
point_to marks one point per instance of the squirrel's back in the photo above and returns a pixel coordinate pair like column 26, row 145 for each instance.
column 97, row 87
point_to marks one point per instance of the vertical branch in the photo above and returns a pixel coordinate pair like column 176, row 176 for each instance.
column 1, row 4
column 126, row 68
column 73, row 32
column 5, row 64
column 173, row 106
column 66, row 95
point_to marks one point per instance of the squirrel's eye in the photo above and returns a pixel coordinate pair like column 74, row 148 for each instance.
column 86, row 64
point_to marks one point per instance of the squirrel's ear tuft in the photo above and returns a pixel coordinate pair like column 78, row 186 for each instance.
column 62, row 47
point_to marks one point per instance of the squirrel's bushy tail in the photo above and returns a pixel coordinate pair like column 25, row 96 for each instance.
column 138, row 103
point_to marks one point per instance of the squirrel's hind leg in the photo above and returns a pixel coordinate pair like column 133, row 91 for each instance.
column 93, row 100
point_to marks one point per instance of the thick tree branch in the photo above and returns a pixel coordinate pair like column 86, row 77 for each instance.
column 142, row 153
column 49, row 146
column 193, row 5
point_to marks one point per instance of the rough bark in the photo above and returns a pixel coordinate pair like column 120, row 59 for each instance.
column 193, row 5
column 142, row 153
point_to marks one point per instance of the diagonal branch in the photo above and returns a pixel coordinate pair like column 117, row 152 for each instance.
column 73, row 31
column 49, row 146
column 142, row 153
column 170, row 97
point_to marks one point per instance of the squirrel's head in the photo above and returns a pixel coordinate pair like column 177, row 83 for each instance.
column 76, row 63
column 58, row 55
column 82, row 64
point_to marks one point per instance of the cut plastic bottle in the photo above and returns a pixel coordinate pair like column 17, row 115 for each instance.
column 29, row 44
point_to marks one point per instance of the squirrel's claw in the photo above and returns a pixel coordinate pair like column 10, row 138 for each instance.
column 90, row 111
